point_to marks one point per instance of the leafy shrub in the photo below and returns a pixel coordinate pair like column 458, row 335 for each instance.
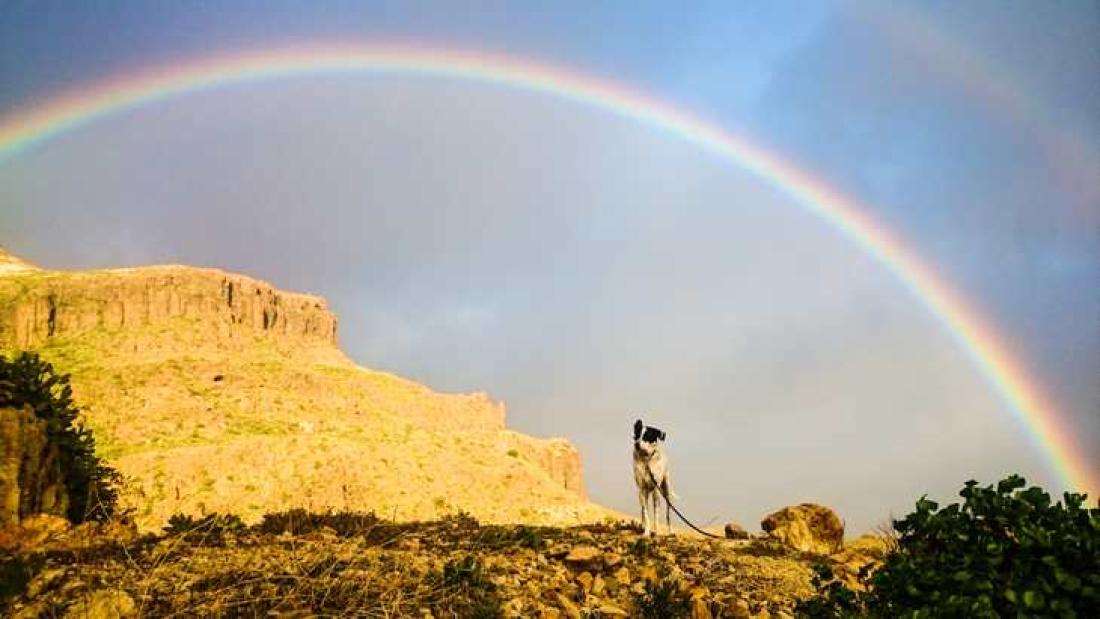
column 91, row 485
column 298, row 521
column 663, row 599
column 466, row 577
column 209, row 530
column 1005, row 551
column 502, row 536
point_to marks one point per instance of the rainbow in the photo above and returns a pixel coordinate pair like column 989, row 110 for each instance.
column 985, row 349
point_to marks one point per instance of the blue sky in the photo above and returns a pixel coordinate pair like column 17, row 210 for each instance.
column 597, row 269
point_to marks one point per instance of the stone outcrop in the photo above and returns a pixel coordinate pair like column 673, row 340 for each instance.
column 807, row 527
column 30, row 468
column 13, row 264
column 561, row 461
column 44, row 305
column 732, row 530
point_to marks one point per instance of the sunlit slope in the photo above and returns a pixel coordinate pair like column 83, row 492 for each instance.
column 217, row 392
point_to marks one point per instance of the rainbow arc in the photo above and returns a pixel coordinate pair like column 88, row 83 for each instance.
column 988, row 352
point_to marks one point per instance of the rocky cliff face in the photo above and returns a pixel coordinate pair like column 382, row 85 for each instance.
column 30, row 468
column 13, row 264
column 217, row 392
column 42, row 305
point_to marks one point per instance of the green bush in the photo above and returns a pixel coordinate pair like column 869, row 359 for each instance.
column 1004, row 551
column 663, row 599
column 467, row 579
column 209, row 530
column 92, row 486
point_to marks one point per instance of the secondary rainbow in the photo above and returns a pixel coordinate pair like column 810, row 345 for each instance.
column 988, row 352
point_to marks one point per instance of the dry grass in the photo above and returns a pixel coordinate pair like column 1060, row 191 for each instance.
column 353, row 564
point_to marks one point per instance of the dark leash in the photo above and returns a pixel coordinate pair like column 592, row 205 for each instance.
column 668, row 502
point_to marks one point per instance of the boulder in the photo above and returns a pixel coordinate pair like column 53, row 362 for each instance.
column 735, row 531
column 30, row 468
column 807, row 527
column 582, row 555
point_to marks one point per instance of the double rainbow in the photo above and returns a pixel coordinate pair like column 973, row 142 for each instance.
column 989, row 353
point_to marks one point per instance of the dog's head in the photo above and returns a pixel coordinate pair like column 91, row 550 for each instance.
column 646, row 437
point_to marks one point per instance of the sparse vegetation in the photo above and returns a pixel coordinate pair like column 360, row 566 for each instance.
column 352, row 564
column 664, row 598
column 1004, row 551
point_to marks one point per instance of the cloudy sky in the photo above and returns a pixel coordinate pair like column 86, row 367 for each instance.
column 587, row 269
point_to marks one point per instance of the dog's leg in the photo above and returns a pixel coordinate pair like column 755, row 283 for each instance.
column 643, row 500
column 657, row 503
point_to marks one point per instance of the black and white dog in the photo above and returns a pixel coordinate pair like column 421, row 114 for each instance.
column 651, row 475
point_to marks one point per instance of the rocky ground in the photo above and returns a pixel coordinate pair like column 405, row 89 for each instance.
column 299, row 564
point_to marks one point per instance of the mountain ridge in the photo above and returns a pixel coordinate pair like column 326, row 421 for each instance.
column 215, row 391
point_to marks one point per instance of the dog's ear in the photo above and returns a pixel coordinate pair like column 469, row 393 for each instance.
column 638, row 429
column 663, row 435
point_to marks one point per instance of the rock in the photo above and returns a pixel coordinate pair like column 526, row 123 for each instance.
column 735, row 531
column 864, row 551
column 700, row 609
column 807, row 527
column 584, row 579
column 30, row 468
column 32, row 532
column 89, row 534
column 582, row 555
column 104, row 604
column 740, row 609
column 611, row 560
column 43, row 581
column 598, row 585
column 568, row 607
column 608, row 609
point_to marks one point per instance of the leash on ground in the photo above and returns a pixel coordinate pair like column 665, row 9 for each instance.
column 668, row 502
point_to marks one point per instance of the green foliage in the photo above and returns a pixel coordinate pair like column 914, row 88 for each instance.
column 1004, row 551
column 298, row 521
column 16, row 571
column 833, row 598
column 466, row 577
column 663, row 599
column 209, row 530
column 92, row 486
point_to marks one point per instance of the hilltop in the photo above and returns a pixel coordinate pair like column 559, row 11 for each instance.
column 216, row 392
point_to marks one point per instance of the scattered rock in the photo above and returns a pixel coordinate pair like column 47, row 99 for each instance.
column 807, row 527
column 610, row 610
column 568, row 607
column 43, row 581
column 32, row 532
column 584, row 579
column 104, row 604
column 582, row 555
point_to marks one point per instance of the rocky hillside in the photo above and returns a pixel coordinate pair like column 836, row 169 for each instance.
column 214, row 391
column 298, row 564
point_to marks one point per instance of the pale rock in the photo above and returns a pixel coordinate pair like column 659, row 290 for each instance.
column 807, row 527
